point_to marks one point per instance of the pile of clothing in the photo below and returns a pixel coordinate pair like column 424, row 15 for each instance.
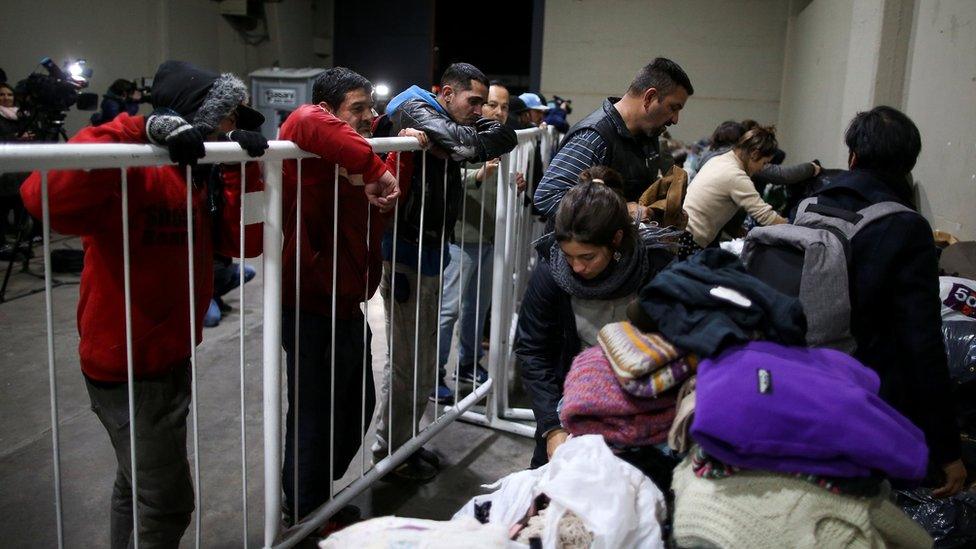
column 792, row 446
column 584, row 497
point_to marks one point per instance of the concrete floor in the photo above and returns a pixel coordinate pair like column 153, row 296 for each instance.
column 472, row 455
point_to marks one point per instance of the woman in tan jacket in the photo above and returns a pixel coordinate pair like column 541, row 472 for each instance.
column 723, row 186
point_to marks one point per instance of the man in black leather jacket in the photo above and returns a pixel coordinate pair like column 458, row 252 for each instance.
column 457, row 133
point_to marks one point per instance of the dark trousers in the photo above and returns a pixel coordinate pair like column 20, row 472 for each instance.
column 165, row 490
column 315, row 338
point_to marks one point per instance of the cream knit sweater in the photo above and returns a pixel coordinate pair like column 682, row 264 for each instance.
column 716, row 194
column 757, row 509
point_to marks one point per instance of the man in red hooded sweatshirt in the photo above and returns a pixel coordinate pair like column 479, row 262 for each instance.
column 192, row 105
column 334, row 127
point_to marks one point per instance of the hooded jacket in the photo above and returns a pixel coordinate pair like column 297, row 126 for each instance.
column 88, row 203
column 453, row 143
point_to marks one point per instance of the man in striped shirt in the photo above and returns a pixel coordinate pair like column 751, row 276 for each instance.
column 623, row 134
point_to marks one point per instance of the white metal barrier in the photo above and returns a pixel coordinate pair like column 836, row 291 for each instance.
column 513, row 257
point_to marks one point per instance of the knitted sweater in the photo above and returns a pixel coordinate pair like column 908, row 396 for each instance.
column 759, row 509
column 718, row 191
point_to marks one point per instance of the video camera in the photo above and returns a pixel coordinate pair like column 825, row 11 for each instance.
column 44, row 99
column 143, row 86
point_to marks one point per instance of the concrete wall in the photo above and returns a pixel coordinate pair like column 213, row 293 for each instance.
column 941, row 98
column 731, row 50
column 842, row 56
column 815, row 76
column 125, row 39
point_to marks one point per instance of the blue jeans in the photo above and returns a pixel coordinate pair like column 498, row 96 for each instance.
column 461, row 284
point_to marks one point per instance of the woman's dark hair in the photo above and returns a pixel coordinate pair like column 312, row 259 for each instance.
column 121, row 87
column 749, row 124
column 727, row 134
column 8, row 86
column 759, row 142
column 605, row 174
column 331, row 86
column 592, row 213
column 884, row 139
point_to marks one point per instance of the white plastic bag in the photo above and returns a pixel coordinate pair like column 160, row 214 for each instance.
column 618, row 503
column 399, row 532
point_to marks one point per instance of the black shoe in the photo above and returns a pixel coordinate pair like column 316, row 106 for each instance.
column 414, row 469
column 429, row 457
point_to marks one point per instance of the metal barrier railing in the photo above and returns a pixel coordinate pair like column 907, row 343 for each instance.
column 512, row 261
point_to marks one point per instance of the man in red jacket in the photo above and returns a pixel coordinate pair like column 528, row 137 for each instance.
column 88, row 203
column 333, row 127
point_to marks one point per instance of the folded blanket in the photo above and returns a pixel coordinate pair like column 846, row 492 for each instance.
column 646, row 365
column 595, row 403
column 633, row 353
column 664, row 379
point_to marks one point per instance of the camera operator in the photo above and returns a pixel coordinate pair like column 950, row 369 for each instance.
column 559, row 108
column 122, row 96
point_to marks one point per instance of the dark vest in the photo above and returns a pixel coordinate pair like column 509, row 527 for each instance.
column 638, row 160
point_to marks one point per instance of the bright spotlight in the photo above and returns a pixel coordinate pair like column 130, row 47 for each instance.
column 382, row 90
column 79, row 70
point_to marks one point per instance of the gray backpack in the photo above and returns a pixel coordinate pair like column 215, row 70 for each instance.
column 809, row 260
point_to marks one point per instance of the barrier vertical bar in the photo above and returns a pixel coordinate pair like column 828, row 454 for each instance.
column 420, row 255
column 130, row 376
column 240, row 296
column 389, row 318
column 272, row 350
column 440, row 292
column 193, row 353
column 366, row 349
column 332, row 328
column 476, row 340
column 296, row 348
column 460, row 292
column 52, row 375
column 498, row 284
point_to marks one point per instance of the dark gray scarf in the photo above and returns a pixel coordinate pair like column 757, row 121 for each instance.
column 622, row 277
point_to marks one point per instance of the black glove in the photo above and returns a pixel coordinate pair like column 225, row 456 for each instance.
column 253, row 142
column 486, row 124
column 185, row 142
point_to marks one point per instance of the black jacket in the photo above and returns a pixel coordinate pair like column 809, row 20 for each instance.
column 895, row 310
column 455, row 143
column 546, row 342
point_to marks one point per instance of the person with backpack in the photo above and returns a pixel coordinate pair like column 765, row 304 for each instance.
column 864, row 264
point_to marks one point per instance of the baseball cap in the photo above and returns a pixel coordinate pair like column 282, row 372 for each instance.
column 533, row 101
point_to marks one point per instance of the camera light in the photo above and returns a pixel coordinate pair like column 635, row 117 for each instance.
column 382, row 91
column 75, row 69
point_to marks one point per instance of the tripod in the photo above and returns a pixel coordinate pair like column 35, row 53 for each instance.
column 24, row 245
